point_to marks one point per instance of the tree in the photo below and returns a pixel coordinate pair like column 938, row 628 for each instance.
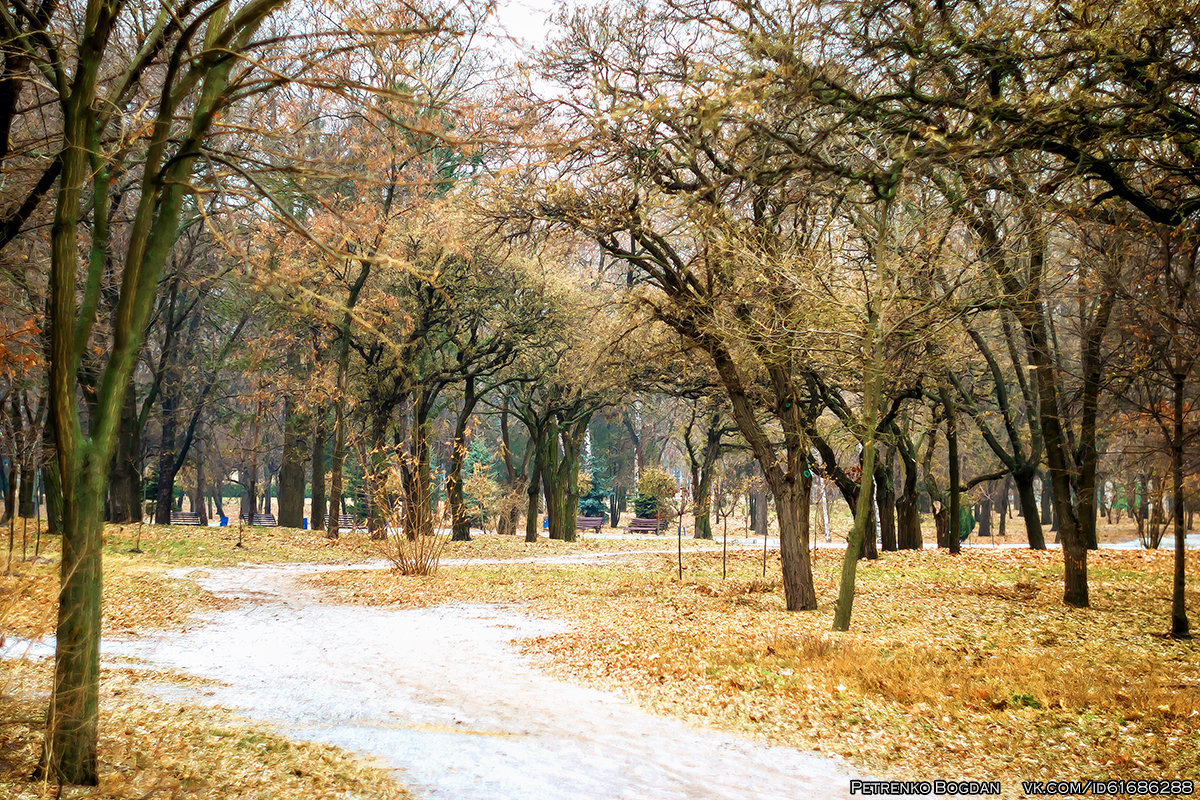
column 1158, row 362
column 158, row 117
column 703, row 431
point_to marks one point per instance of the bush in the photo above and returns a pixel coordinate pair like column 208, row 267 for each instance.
column 655, row 491
column 592, row 506
column 481, row 495
column 645, row 506
column 593, row 495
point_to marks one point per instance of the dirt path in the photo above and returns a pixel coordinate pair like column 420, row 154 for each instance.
column 443, row 696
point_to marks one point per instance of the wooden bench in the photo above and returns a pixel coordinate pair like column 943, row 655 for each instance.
column 646, row 525
column 347, row 521
column 185, row 518
column 260, row 520
column 589, row 523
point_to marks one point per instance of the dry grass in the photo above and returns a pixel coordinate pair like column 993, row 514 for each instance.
column 956, row 667
column 149, row 748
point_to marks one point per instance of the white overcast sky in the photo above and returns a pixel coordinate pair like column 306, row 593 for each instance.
column 527, row 21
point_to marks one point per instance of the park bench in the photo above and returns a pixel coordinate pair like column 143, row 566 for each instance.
column 589, row 523
column 185, row 518
column 646, row 525
column 347, row 521
column 260, row 520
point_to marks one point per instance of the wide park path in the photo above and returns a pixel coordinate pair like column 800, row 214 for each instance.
column 443, row 696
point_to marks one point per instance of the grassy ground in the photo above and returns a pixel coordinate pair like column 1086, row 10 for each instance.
column 956, row 667
column 151, row 749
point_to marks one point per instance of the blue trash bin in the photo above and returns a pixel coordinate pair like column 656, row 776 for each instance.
column 224, row 521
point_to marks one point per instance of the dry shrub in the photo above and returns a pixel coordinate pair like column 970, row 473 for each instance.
column 508, row 509
column 419, row 554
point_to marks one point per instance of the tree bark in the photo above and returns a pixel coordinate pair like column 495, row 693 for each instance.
column 553, row 487
column 1003, row 508
column 125, row 485
column 572, row 436
column 317, row 515
column 25, row 490
column 908, row 511
column 198, row 496
column 792, row 503
column 1179, row 620
column 10, row 491
column 375, row 468
column 291, row 471
column 460, row 523
column 885, row 502
column 760, row 508
column 1028, row 506
column 534, row 487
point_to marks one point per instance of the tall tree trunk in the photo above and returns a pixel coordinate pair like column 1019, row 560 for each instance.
column 25, row 490
column 337, row 461
column 954, row 537
column 701, row 466
column 702, row 517
column 125, row 484
column 885, row 506
column 317, row 517
column 1047, row 505
column 460, row 523
column 908, row 511
column 872, row 391
column 1028, row 505
column 375, row 467
column 534, row 487
column 10, row 491
column 760, row 508
column 250, row 498
column 1004, row 501
column 166, row 458
column 198, row 496
column 1179, row 620
column 984, row 516
column 572, row 437
column 291, row 471
column 793, row 505
column 553, row 487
